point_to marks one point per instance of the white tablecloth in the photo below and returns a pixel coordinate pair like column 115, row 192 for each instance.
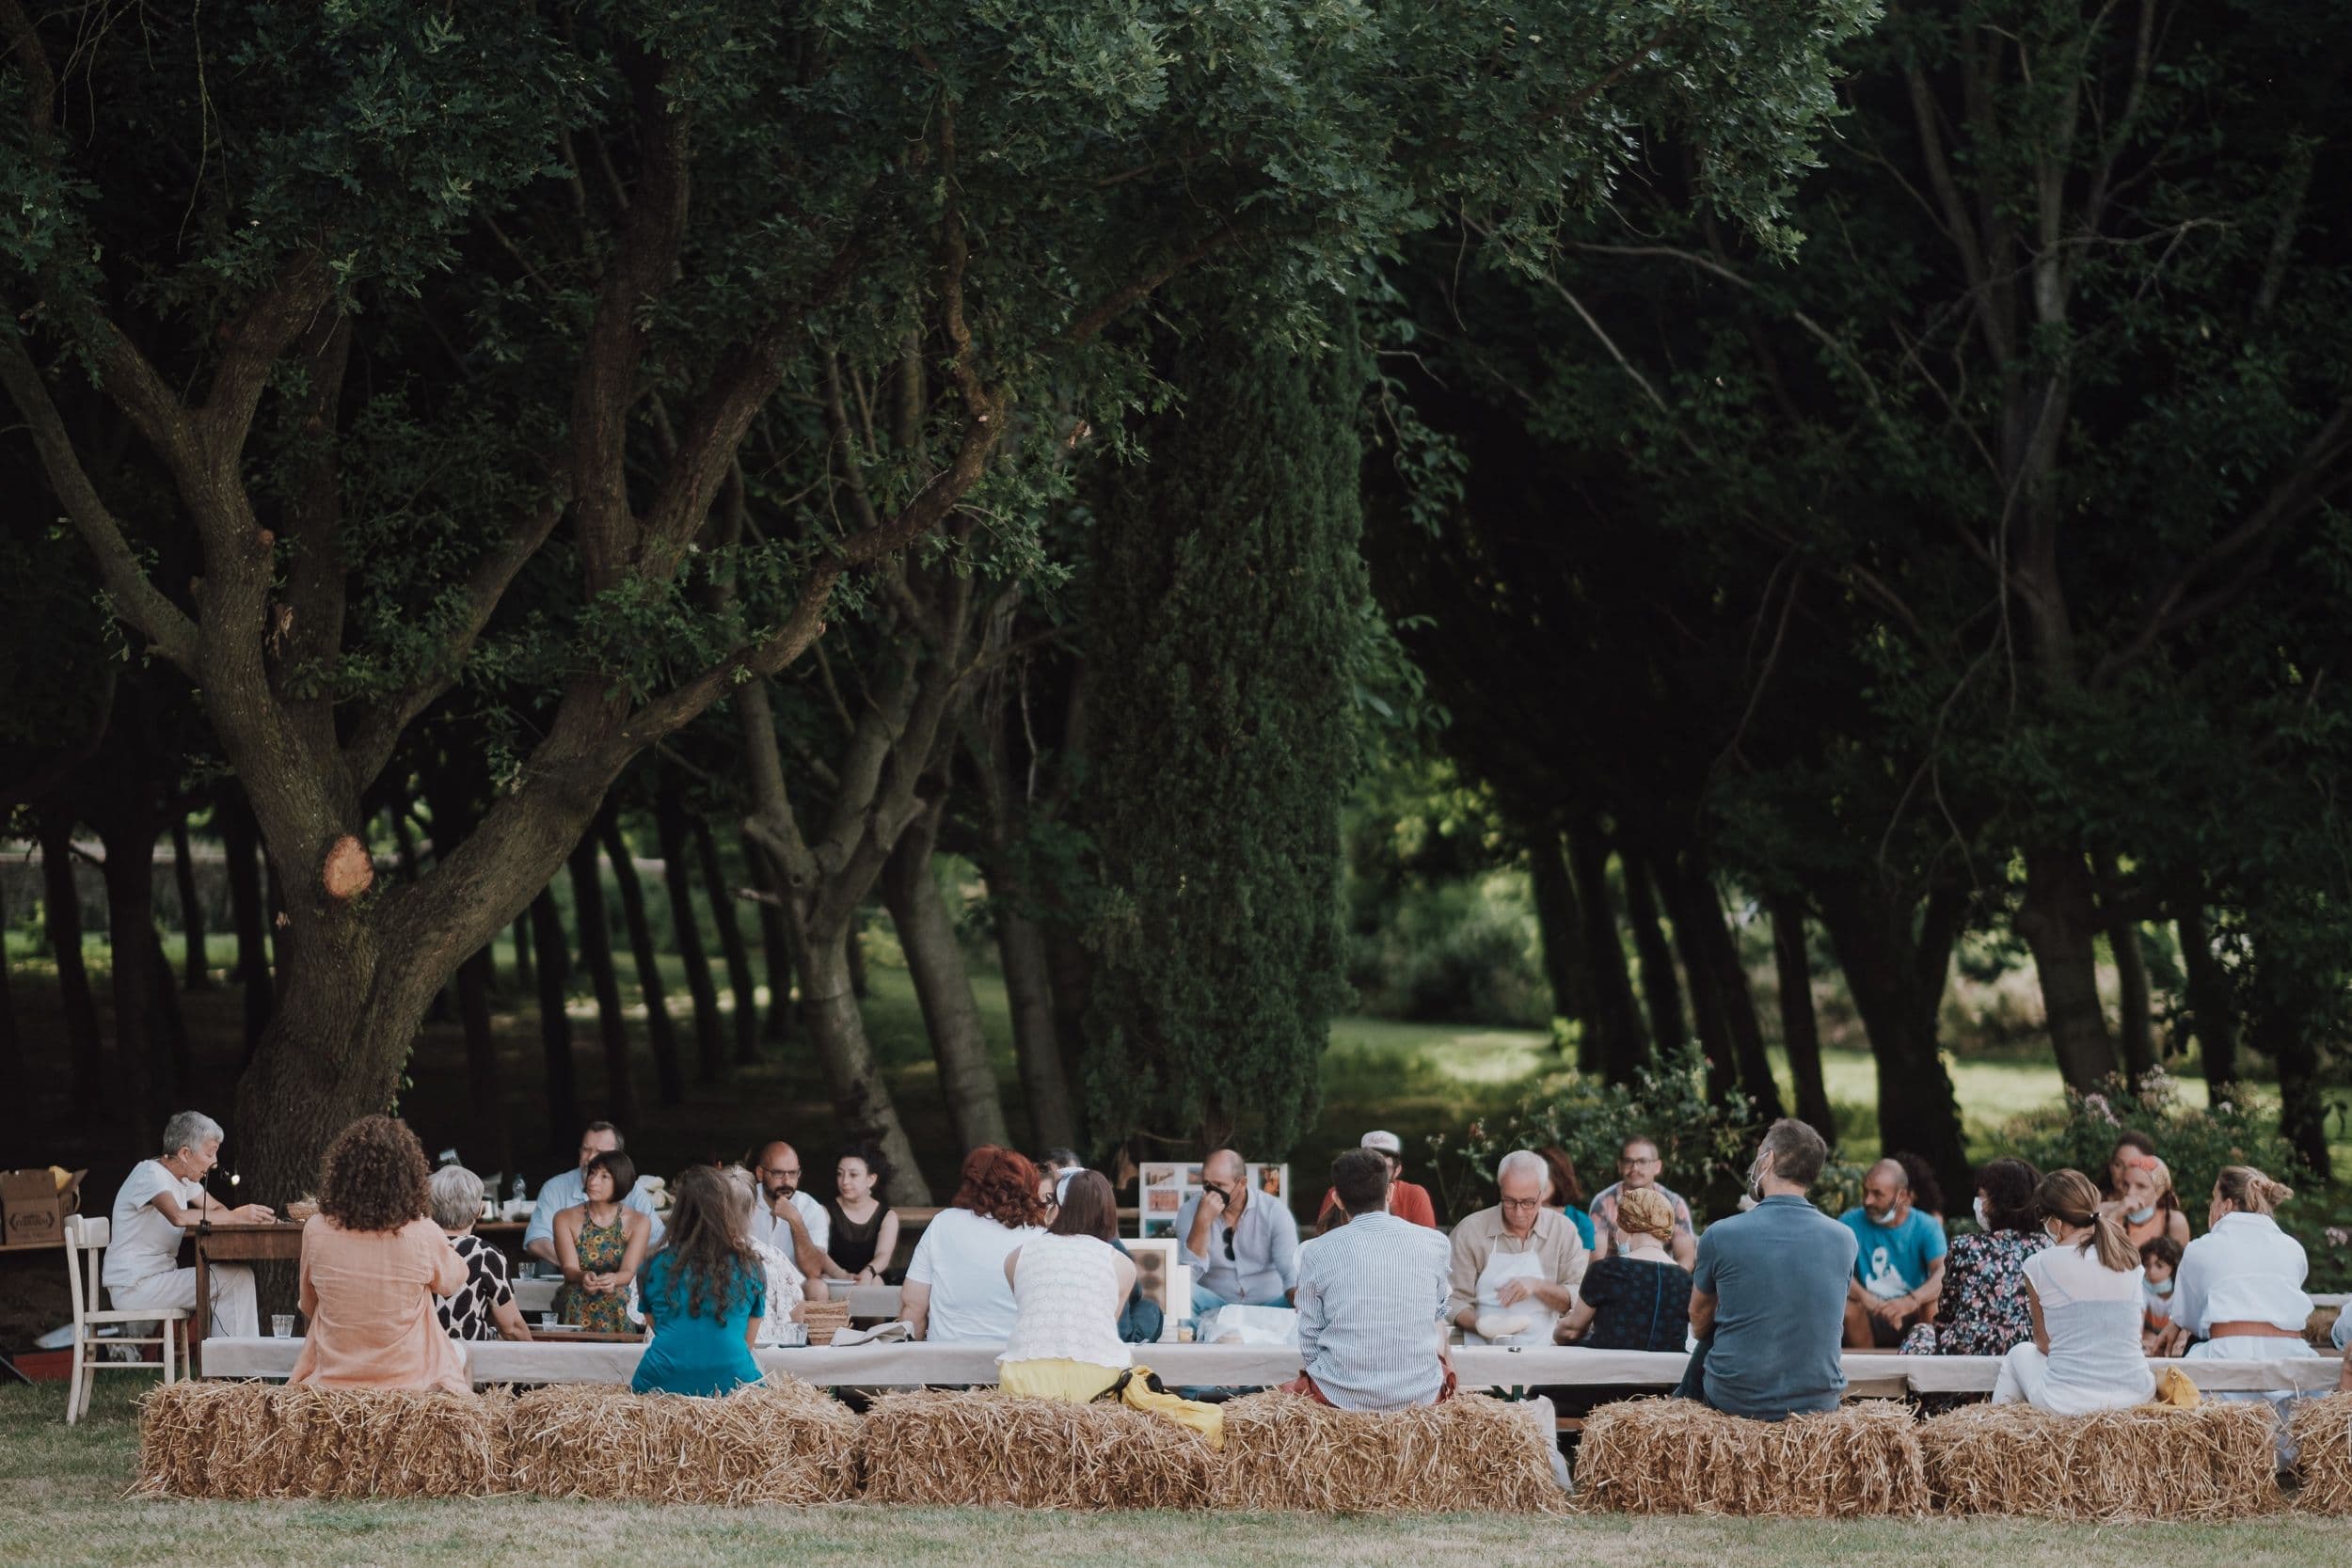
column 1247, row 1366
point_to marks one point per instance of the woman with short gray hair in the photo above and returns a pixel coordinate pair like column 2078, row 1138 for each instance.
column 486, row 1307
column 158, row 1204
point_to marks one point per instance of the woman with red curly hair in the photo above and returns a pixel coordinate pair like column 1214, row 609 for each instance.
column 371, row 1262
column 956, row 1287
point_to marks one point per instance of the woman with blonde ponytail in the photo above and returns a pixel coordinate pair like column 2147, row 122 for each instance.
column 2240, row 1286
column 2084, row 1293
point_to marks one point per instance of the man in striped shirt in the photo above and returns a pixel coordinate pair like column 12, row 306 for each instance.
column 1371, row 1299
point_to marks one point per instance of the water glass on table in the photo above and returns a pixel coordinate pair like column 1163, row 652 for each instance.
column 282, row 1325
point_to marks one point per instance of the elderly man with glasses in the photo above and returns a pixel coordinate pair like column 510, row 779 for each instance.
column 1241, row 1247
column 1515, row 1266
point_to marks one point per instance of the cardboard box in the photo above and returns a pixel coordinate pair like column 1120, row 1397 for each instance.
column 33, row 1208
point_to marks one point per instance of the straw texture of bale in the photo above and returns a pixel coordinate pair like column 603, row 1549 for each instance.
column 2323, row 1440
column 244, row 1440
column 984, row 1448
column 2219, row 1461
column 778, row 1442
column 1471, row 1454
column 2320, row 1327
column 1676, row 1456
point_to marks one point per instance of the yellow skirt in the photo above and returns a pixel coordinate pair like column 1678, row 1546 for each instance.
column 1082, row 1383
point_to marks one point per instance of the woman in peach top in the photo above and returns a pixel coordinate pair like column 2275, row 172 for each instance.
column 371, row 1262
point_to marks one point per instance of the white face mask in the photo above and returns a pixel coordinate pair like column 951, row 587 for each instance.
column 2141, row 1216
column 1880, row 1216
column 2162, row 1286
column 1983, row 1220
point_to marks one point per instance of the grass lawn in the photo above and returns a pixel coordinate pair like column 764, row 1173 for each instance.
column 61, row 1504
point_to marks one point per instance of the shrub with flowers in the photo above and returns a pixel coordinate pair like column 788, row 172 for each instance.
column 2195, row 1145
column 1701, row 1144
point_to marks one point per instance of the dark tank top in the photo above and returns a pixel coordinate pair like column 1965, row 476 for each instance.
column 851, row 1244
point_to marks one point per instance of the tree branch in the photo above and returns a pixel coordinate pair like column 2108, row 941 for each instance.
column 136, row 599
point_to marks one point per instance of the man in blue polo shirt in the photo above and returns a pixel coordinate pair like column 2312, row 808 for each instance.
column 1898, row 1261
column 1767, row 1296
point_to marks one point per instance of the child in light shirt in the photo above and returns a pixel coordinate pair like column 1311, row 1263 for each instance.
column 2159, row 1256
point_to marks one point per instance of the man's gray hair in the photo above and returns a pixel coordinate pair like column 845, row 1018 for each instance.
column 190, row 1130
column 454, row 1195
column 1525, row 1160
column 1797, row 1150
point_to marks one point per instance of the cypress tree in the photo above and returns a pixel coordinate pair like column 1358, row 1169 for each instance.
column 1228, row 597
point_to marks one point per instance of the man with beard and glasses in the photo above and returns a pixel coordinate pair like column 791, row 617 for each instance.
column 785, row 1217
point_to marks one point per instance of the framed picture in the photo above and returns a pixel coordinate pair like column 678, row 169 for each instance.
column 1167, row 1283
column 1165, row 1186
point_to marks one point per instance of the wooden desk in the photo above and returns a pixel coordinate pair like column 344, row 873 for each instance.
column 279, row 1241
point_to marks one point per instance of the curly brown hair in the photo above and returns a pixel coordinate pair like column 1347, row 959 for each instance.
column 1000, row 1184
column 376, row 1176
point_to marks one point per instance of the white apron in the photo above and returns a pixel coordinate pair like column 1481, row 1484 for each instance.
column 1502, row 1267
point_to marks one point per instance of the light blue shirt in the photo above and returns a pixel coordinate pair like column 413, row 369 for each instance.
column 1778, row 1275
column 1891, row 1261
column 569, row 1191
column 1265, row 1264
column 1371, row 1295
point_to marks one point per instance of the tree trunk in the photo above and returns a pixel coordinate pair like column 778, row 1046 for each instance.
column 1799, row 1029
column 596, row 952
column 492, row 1145
column 1896, row 981
column 1661, row 988
column 1616, row 1014
column 195, row 962
column 2136, row 1022
column 241, row 842
column 555, row 1027
column 854, row 956
column 1561, row 926
column 2058, row 919
column 661, row 1028
column 526, row 981
column 167, row 1027
column 1070, row 968
column 862, row 1109
column 731, row 944
column 910, row 890
column 1747, row 1031
column 61, row 912
column 1693, row 912
column 1030, row 996
column 775, row 946
column 11, row 1039
column 2212, row 1005
column 671, row 828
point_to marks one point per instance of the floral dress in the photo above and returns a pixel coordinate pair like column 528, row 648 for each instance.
column 601, row 1249
column 1982, row 1310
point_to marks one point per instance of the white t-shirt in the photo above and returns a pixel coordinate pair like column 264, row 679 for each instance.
column 766, row 1227
column 146, row 1243
column 961, row 1258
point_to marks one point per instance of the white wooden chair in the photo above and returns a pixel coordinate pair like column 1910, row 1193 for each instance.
column 85, row 1240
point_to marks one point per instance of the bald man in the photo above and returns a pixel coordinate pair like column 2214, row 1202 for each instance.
column 1898, row 1261
column 785, row 1217
column 1241, row 1247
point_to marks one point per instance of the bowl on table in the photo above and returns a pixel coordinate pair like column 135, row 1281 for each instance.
column 302, row 1209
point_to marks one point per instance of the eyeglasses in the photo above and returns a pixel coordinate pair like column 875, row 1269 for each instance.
column 1521, row 1205
column 1228, row 1245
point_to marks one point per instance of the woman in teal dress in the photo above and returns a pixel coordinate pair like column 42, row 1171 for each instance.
column 704, row 1292
column 600, row 1245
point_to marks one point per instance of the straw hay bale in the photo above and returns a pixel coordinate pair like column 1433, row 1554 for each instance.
column 987, row 1448
column 1676, row 1456
column 2320, row 1327
column 1472, row 1454
column 244, row 1440
column 2323, row 1439
column 778, row 1442
column 2219, row 1461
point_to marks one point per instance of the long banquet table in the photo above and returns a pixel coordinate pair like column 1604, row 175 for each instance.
column 907, row 1365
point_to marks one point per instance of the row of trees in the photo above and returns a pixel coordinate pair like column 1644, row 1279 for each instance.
column 1984, row 569
column 570, row 383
